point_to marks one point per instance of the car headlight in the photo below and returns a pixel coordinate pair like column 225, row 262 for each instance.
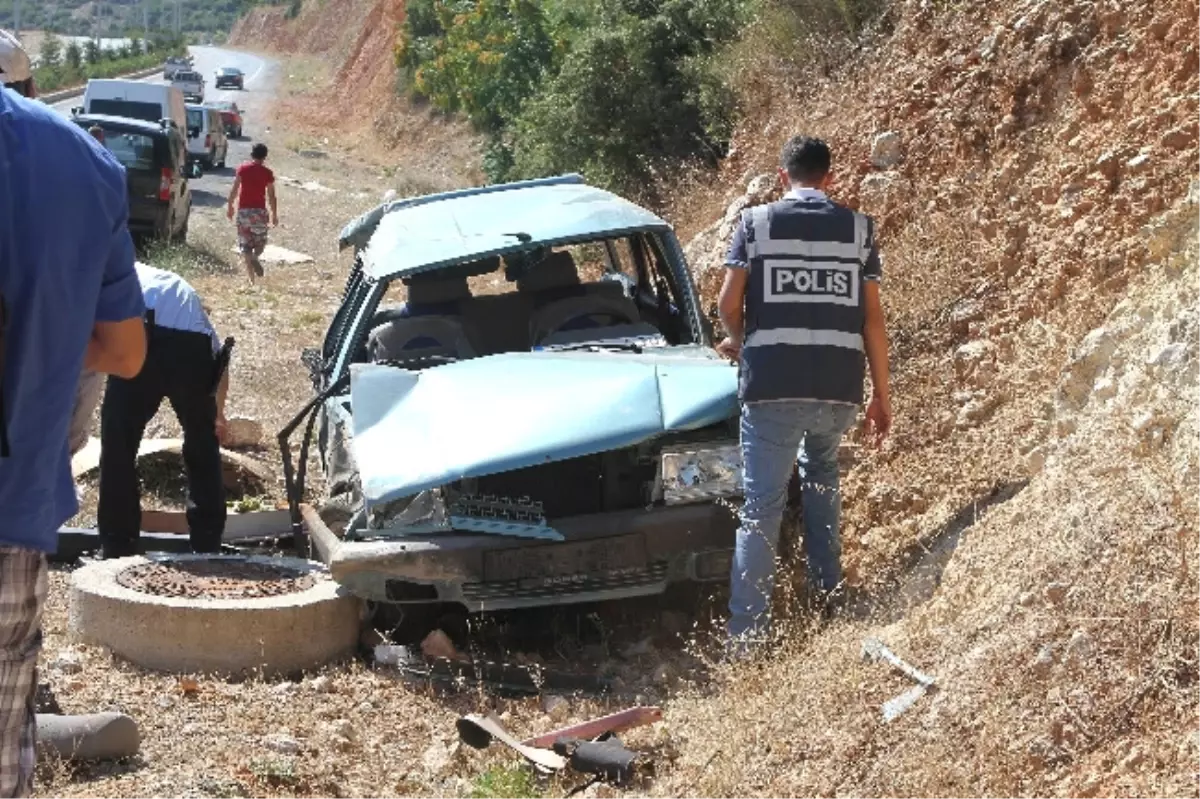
column 700, row 472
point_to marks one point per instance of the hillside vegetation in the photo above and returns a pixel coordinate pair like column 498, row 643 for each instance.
column 118, row 17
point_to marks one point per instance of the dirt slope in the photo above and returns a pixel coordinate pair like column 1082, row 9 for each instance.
column 354, row 100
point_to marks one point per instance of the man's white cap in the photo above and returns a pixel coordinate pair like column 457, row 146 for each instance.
column 14, row 61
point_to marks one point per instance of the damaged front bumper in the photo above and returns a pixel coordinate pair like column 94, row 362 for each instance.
column 603, row 556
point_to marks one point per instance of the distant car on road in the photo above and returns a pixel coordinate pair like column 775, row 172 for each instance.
column 231, row 115
column 206, row 136
column 175, row 64
column 154, row 155
column 230, row 76
column 191, row 83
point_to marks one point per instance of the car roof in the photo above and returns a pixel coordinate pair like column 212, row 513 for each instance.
column 230, row 69
column 140, row 125
column 427, row 233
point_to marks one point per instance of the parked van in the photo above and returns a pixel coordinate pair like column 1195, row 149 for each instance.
column 206, row 140
column 135, row 100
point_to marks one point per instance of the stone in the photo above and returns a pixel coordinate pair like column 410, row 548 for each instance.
column 1026, row 599
column 1080, row 647
column 1035, row 461
column 975, row 411
column 242, row 431
column 67, row 662
column 389, row 195
column 344, row 728
column 1171, row 356
column 437, row 757
column 759, row 189
column 1105, row 389
column 281, row 744
column 1135, row 758
column 1138, row 163
column 1190, row 745
column 284, row 689
column 438, row 645
column 1043, row 662
column 1056, row 593
column 987, row 49
column 886, row 150
column 556, row 707
column 322, row 684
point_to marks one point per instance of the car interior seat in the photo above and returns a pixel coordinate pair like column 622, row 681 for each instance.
column 562, row 303
column 425, row 325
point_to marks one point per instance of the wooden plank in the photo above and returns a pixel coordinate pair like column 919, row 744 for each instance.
column 87, row 460
column 238, row 526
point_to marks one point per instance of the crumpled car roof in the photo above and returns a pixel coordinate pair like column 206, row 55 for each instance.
column 405, row 237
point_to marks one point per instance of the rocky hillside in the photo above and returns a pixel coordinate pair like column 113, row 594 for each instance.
column 1030, row 533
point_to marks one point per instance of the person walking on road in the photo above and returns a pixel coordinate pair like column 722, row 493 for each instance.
column 69, row 300
column 253, row 188
column 801, row 306
column 185, row 365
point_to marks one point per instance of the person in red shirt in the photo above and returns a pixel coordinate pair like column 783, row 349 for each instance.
column 253, row 188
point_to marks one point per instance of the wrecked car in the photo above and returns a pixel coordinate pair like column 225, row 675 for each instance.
column 518, row 404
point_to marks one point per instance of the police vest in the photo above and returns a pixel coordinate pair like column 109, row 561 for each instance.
column 804, row 301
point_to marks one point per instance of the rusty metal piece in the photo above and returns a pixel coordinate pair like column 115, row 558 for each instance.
column 612, row 723
column 218, row 578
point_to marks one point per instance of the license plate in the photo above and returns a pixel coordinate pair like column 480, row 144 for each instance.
column 604, row 555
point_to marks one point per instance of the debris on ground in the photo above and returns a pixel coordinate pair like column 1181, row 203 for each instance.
column 606, row 758
column 96, row 736
column 478, row 732
column 876, row 650
column 274, row 254
column 614, row 723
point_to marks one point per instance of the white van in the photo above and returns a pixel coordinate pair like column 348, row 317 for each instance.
column 134, row 99
column 206, row 140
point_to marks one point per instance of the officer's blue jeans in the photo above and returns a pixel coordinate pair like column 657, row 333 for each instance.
column 775, row 435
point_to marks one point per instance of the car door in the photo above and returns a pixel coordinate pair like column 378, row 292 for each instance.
column 182, row 197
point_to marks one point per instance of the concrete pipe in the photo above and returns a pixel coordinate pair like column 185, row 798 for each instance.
column 226, row 614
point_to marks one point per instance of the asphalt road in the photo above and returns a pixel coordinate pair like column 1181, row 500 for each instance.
column 210, row 190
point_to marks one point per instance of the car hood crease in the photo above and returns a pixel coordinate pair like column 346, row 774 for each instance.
column 419, row 430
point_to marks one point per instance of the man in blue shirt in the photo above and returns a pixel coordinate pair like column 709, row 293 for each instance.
column 72, row 300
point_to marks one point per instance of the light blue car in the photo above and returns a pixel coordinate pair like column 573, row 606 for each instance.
column 518, row 404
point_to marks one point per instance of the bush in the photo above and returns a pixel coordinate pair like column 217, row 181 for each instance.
column 602, row 86
column 77, row 65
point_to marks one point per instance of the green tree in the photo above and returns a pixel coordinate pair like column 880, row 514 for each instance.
column 135, row 46
column 91, row 51
column 73, row 55
column 50, row 54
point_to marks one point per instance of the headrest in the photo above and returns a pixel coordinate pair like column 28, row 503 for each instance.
column 554, row 271
column 427, row 291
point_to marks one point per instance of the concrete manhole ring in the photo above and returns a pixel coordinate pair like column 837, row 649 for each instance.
column 227, row 614
column 214, row 579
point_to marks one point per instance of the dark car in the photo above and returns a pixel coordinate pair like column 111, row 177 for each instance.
column 231, row 116
column 571, row 439
column 156, row 171
column 230, row 77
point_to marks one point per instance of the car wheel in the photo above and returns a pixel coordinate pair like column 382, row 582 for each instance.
column 224, row 156
column 207, row 163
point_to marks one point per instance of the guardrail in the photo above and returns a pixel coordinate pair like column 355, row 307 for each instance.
column 67, row 94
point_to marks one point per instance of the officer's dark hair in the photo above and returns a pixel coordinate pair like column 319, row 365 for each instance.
column 21, row 87
column 258, row 152
column 806, row 159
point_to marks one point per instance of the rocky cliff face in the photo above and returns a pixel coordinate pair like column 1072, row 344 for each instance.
column 1030, row 534
column 1012, row 156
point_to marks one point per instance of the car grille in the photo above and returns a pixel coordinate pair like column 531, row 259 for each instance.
column 542, row 588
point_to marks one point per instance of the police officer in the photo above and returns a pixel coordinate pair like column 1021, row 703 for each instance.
column 185, row 365
column 801, row 307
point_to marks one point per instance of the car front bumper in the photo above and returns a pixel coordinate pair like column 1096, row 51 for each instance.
column 603, row 557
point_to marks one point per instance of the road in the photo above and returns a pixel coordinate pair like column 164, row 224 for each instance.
column 210, row 190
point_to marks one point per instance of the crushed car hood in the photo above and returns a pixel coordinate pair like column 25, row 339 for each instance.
column 419, row 430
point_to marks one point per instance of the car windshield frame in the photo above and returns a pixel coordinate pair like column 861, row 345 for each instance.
column 231, row 71
column 132, row 157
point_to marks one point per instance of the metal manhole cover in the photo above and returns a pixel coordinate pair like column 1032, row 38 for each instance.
column 214, row 579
